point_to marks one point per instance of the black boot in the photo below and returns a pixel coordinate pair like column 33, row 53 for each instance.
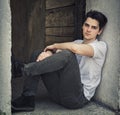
column 17, row 67
column 23, row 103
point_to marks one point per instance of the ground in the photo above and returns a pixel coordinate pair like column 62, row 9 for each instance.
column 46, row 107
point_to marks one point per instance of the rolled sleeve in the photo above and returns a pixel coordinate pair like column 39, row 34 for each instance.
column 99, row 49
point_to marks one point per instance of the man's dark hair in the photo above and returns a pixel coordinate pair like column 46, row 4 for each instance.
column 100, row 17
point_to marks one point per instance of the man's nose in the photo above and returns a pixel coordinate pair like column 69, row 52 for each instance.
column 89, row 29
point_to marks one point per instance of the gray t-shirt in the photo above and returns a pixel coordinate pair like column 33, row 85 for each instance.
column 91, row 67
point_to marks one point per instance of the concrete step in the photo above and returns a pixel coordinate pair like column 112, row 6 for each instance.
column 45, row 106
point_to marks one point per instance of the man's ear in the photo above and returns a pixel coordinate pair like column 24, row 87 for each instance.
column 100, row 31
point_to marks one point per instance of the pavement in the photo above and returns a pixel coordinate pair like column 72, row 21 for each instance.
column 44, row 106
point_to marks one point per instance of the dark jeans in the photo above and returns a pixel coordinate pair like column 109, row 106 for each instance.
column 61, row 76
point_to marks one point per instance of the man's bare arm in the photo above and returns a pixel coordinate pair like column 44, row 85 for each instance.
column 82, row 49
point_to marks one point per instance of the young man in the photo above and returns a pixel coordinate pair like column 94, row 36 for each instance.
column 70, row 71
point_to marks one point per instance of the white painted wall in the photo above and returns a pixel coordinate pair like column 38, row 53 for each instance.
column 108, row 90
column 5, row 57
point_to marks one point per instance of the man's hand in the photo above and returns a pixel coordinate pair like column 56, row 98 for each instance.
column 51, row 48
column 44, row 55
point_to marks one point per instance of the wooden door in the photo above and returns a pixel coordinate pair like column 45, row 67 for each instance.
column 63, row 20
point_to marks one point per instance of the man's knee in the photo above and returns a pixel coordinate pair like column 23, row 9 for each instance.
column 68, row 54
column 35, row 55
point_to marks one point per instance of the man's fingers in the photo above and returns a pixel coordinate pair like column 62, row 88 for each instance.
column 43, row 55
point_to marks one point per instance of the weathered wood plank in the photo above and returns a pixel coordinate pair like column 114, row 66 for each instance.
column 54, row 39
column 36, row 27
column 79, row 16
column 58, row 3
column 64, row 31
column 60, row 17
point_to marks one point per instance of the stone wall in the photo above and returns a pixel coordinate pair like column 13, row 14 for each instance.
column 109, row 87
column 5, row 57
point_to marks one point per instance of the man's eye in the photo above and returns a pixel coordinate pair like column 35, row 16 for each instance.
column 87, row 25
column 94, row 27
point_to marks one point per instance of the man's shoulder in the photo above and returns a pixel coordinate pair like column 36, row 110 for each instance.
column 102, row 43
column 99, row 46
column 99, row 42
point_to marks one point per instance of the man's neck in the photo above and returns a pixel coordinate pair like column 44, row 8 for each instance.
column 88, row 41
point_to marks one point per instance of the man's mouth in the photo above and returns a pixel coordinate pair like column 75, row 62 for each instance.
column 87, row 34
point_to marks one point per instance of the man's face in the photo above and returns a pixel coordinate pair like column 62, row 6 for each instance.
column 91, row 29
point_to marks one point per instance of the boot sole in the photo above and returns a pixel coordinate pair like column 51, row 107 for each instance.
column 15, row 109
